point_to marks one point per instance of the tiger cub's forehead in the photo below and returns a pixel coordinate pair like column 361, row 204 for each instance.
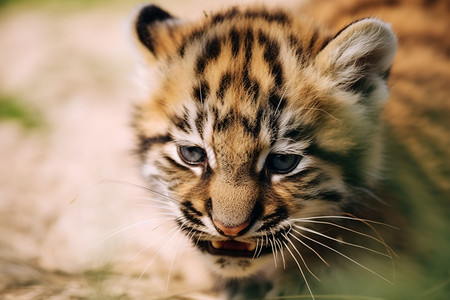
column 244, row 65
column 238, row 43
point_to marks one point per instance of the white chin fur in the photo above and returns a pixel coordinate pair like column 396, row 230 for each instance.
column 237, row 267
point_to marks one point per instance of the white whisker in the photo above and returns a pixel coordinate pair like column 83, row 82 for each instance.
column 256, row 248
column 180, row 239
column 174, row 215
column 198, row 238
column 155, row 256
column 310, row 248
column 149, row 245
column 301, row 257
column 366, row 222
column 370, row 193
column 129, row 236
column 341, row 241
column 190, row 236
column 342, row 227
column 261, row 246
column 138, row 186
column 153, row 206
column 165, row 203
column 280, row 246
column 301, row 270
column 343, row 255
column 322, row 110
column 127, row 227
column 346, row 218
column 275, row 246
column 273, row 254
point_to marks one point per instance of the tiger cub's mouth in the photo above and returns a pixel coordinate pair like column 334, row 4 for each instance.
column 232, row 248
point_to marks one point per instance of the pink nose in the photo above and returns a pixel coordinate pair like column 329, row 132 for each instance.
column 230, row 231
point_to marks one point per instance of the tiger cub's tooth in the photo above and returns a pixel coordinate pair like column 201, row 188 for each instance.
column 216, row 244
column 251, row 246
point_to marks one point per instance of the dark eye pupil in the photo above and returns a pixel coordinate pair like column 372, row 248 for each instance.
column 282, row 163
column 192, row 155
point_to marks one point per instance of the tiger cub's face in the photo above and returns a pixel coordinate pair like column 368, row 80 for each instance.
column 255, row 120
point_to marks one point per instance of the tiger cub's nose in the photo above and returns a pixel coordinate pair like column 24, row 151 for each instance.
column 230, row 230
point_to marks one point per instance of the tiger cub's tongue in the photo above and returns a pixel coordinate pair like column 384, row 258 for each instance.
column 233, row 245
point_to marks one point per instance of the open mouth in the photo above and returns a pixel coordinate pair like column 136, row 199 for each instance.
column 232, row 248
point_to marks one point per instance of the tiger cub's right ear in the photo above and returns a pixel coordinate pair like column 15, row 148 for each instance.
column 156, row 32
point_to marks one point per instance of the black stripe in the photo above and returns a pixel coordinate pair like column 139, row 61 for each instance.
column 277, row 71
column 174, row 165
column 314, row 38
column 220, row 17
column 146, row 142
column 274, row 219
column 297, row 46
column 186, row 228
column 190, row 207
column 225, row 82
column 252, row 127
column 262, row 38
column 201, row 92
column 251, row 86
column 325, row 42
column 235, row 42
column 191, row 218
column 248, row 44
column 298, row 133
column 254, row 90
column 246, row 79
column 274, row 131
column 302, row 174
column 208, row 207
column 182, row 123
column 332, row 196
column 194, row 35
column 207, row 173
column 350, row 162
column 278, row 16
column 225, row 123
column 276, row 103
column 271, row 56
column 199, row 121
column 271, row 52
column 258, row 120
column 211, row 52
column 182, row 48
column 317, row 180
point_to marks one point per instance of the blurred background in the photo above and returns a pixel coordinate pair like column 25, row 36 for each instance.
column 71, row 217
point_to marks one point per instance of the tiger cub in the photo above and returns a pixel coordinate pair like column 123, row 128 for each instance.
column 265, row 130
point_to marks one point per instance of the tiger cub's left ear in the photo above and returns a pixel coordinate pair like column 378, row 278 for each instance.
column 156, row 31
column 360, row 55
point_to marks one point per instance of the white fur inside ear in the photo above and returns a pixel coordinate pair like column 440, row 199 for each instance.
column 366, row 46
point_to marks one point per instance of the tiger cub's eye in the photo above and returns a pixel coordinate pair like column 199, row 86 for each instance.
column 192, row 155
column 282, row 163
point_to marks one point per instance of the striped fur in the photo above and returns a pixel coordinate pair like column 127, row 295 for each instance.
column 244, row 85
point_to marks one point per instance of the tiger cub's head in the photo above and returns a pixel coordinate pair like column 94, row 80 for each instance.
column 255, row 119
